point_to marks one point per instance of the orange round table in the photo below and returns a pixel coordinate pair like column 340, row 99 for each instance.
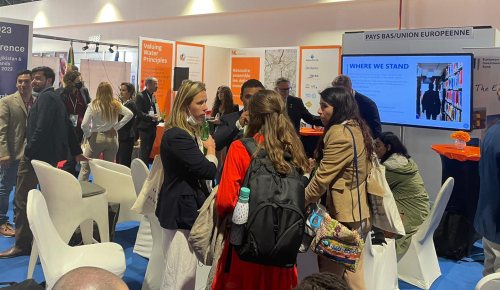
column 450, row 151
column 455, row 234
column 310, row 132
column 310, row 138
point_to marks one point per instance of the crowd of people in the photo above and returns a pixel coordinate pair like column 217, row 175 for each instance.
column 56, row 124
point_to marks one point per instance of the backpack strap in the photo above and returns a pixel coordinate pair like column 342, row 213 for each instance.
column 357, row 178
column 250, row 145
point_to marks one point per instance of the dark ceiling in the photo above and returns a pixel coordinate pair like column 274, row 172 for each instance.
column 13, row 2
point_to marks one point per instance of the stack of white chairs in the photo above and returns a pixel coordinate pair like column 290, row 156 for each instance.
column 117, row 180
column 489, row 282
column 68, row 209
column 56, row 256
column 380, row 265
column 419, row 266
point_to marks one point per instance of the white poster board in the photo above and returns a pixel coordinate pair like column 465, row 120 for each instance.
column 192, row 56
column 94, row 72
column 318, row 66
column 486, row 90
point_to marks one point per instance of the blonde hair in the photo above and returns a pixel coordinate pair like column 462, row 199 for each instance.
column 180, row 110
column 105, row 103
column 268, row 116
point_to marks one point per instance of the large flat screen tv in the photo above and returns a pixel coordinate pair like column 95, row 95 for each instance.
column 423, row 90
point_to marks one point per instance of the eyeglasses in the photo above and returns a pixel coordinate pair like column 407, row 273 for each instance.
column 284, row 89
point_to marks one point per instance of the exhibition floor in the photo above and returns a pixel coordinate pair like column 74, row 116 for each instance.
column 461, row 275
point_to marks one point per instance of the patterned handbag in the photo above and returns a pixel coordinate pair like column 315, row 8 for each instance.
column 334, row 240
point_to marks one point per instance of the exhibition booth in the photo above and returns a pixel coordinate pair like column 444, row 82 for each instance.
column 395, row 68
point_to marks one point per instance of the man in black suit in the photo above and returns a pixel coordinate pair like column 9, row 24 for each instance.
column 49, row 134
column 295, row 107
column 367, row 108
column 231, row 125
column 431, row 104
column 147, row 117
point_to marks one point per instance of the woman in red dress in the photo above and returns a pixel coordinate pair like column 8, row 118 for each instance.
column 272, row 131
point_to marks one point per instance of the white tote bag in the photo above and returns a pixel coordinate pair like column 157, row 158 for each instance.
column 146, row 201
column 385, row 213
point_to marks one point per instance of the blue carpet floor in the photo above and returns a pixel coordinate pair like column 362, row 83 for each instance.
column 461, row 275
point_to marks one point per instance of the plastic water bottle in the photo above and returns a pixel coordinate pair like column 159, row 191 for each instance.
column 240, row 217
column 205, row 130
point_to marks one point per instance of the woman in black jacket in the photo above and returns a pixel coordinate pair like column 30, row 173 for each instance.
column 187, row 176
column 127, row 134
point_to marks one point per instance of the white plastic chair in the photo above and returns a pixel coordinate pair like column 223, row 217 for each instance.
column 380, row 265
column 489, row 282
column 68, row 209
column 117, row 180
column 144, row 240
column 56, row 256
column 419, row 266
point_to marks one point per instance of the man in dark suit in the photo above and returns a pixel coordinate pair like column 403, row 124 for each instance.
column 49, row 134
column 431, row 104
column 367, row 108
column 487, row 220
column 147, row 117
column 295, row 107
column 231, row 125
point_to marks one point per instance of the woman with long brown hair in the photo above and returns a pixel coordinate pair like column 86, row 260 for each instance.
column 99, row 126
column 223, row 102
column 273, row 132
column 335, row 175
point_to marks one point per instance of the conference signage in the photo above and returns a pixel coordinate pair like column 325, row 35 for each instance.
column 420, row 34
column 486, row 90
column 319, row 65
column 15, row 52
column 192, row 56
column 156, row 59
column 243, row 69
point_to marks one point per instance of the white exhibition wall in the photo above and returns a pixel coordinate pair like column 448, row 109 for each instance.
column 419, row 140
column 94, row 72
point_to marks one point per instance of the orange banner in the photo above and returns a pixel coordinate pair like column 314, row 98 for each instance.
column 156, row 61
column 243, row 69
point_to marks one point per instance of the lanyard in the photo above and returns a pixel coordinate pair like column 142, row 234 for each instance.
column 74, row 103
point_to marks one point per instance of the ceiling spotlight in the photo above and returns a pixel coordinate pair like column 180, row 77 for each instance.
column 85, row 47
column 97, row 47
column 110, row 49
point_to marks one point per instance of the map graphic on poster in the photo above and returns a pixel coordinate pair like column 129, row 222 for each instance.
column 319, row 65
column 15, row 51
column 281, row 63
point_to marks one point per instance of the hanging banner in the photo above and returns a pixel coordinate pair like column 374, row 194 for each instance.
column 243, row 69
column 192, row 56
column 15, row 52
column 155, row 60
column 318, row 66
column 486, row 92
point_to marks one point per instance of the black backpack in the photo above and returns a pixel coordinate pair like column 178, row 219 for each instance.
column 276, row 218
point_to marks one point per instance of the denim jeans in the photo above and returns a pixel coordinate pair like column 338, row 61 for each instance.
column 8, row 178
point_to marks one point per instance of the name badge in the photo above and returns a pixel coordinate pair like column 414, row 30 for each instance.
column 73, row 119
